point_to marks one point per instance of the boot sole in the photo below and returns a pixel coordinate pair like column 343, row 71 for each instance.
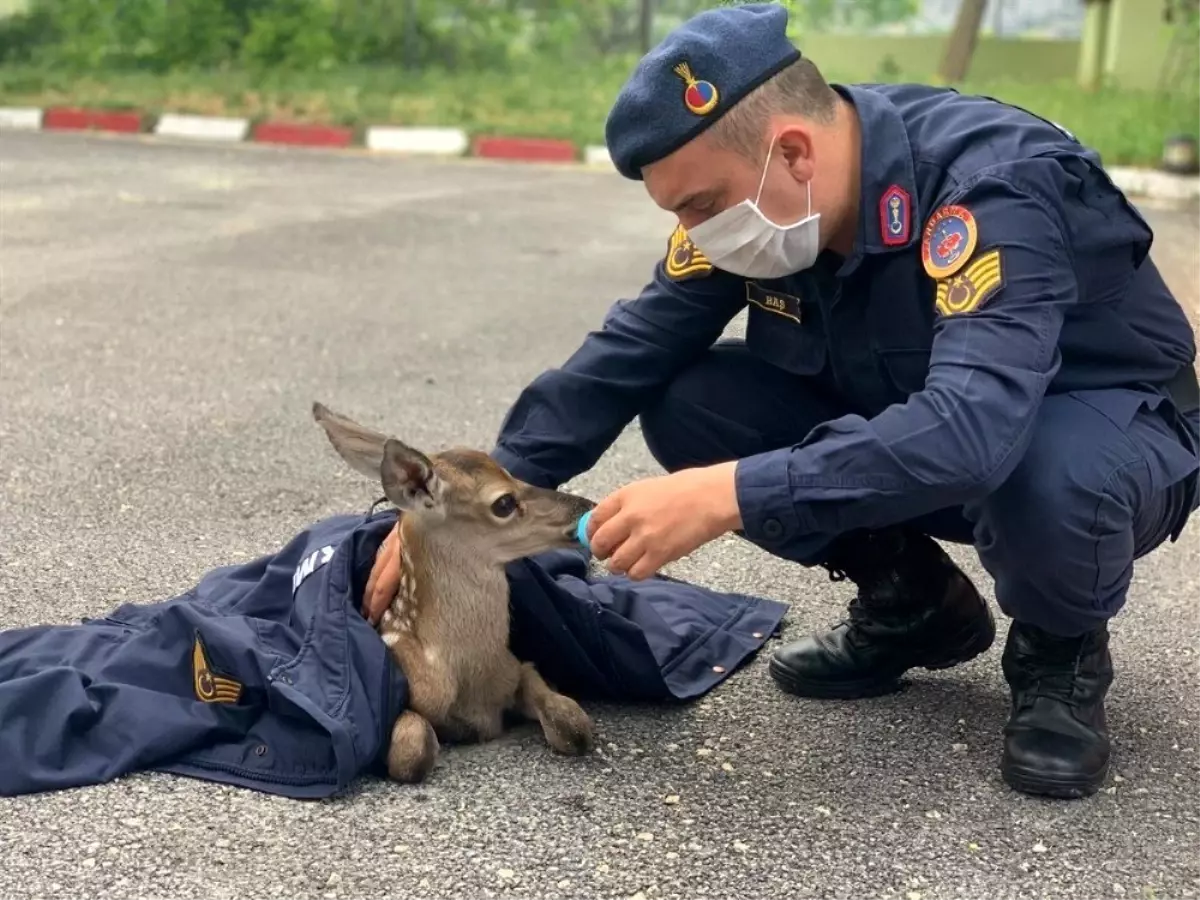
column 973, row 642
column 1059, row 788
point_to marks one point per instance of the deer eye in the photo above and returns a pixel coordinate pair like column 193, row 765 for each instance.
column 504, row 506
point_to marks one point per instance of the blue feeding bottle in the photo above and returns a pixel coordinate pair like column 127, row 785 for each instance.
column 581, row 531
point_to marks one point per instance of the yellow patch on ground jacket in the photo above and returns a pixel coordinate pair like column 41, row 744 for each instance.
column 211, row 687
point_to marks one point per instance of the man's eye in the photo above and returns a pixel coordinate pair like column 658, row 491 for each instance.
column 505, row 506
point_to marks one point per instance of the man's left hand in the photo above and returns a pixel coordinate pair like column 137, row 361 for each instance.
column 655, row 521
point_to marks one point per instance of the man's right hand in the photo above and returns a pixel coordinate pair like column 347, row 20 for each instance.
column 384, row 580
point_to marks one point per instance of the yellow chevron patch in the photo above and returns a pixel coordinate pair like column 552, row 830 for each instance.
column 967, row 291
column 211, row 687
column 683, row 259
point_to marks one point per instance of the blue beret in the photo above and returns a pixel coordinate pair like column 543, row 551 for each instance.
column 694, row 77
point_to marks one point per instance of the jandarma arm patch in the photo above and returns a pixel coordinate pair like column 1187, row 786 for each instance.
column 683, row 259
column 948, row 241
column 967, row 291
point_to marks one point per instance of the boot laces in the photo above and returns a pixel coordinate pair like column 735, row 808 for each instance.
column 1057, row 684
column 1052, row 673
column 880, row 600
column 892, row 572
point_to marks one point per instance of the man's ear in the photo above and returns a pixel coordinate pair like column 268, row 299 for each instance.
column 408, row 478
column 796, row 145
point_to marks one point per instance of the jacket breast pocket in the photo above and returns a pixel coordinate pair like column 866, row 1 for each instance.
column 785, row 340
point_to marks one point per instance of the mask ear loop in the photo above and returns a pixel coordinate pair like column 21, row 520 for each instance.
column 763, row 180
column 766, row 164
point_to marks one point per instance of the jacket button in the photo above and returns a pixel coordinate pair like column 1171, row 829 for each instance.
column 773, row 529
column 260, row 750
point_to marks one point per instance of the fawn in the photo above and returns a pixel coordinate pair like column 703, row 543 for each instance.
column 463, row 518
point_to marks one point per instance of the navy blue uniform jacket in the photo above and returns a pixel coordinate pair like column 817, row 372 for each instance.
column 1050, row 290
column 266, row 676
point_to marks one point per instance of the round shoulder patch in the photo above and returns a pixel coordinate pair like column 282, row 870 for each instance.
column 948, row 241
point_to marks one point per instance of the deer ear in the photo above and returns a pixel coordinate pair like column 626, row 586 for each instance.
column 361, row 447
column 408, row 478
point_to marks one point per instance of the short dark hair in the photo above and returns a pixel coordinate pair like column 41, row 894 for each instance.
column 798, row 89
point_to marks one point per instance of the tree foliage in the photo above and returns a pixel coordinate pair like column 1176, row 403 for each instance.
column 161, row 35
column 1180, row 67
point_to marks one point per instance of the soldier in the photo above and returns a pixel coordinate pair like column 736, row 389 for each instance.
column 954, row 332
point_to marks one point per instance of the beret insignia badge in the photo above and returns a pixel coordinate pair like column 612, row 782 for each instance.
column 699, row 97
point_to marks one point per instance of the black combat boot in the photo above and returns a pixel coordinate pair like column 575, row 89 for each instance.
column 1056, row 739
column 914, row 608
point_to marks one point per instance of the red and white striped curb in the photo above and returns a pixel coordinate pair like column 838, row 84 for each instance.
column 202, row 128
column 70, row 118
column 597, row 155
column 428, row 141
column 1155, row 184
column 418, row 140
column 22, row 117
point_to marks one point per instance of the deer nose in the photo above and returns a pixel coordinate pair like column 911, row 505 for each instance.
column 579, row 504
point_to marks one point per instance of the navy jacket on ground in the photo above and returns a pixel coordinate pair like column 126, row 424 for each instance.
column 266, row 676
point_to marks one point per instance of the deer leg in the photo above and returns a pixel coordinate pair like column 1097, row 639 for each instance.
column 566, row 726
column 414, row 748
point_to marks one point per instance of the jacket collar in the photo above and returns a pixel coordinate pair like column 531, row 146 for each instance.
column 889, row 217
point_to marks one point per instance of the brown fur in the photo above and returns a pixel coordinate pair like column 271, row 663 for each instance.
column 447, row 627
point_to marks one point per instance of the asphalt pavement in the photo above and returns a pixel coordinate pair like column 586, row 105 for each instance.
column 167, row 314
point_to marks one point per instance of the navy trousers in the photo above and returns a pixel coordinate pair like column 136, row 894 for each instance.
column 1104, row 481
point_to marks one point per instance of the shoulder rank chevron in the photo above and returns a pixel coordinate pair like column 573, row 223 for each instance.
column 967, row 291
column 209, row 686
column 684, row 259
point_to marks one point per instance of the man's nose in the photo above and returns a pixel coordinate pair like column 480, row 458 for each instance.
column 690, row 220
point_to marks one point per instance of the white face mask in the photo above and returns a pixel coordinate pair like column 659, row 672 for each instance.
column 743, row 241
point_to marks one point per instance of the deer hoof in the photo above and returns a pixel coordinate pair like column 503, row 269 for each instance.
column 566, row 726
column 414, row 748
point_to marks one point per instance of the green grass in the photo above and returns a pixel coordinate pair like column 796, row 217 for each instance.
column 1126, row 127
column 543, row 100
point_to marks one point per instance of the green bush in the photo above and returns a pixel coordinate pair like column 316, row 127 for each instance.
column 162, row 35
column 98, row 35
column 157, row 36
column 291, row 34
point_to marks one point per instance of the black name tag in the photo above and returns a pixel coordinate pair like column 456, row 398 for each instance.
column 772, row 301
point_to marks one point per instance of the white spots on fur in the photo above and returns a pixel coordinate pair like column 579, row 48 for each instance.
column 401, row 616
